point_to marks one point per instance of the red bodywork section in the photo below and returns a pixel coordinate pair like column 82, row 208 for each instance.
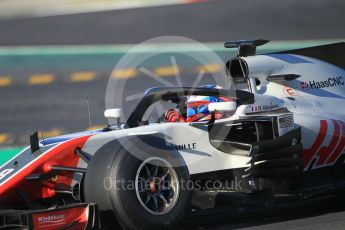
column 63, row 154
column 75, row 217
column 322, row 154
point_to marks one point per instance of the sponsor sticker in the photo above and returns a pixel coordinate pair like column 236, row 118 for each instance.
column 260, row 108
column 59, row 219
column 5, row 173
column 185, row 146
column 330, row 82
column 323, row 152
column 288, row 91
column 51, row 219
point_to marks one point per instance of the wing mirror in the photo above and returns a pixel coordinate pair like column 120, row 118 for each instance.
column 113, row 114
column 227, row 106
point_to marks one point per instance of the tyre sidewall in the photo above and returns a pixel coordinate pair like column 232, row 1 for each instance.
column 131, row 214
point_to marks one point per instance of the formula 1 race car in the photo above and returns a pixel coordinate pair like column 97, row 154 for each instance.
column 282, row 139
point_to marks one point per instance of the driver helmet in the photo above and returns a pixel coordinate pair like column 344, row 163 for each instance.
column 197, row 106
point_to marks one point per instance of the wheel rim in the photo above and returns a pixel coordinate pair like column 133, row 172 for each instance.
column 157, row 186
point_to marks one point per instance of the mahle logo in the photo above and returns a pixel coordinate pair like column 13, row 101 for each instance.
column 331, row 82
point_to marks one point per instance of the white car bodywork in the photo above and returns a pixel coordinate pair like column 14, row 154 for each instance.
column 309, row 106
column 318, row 94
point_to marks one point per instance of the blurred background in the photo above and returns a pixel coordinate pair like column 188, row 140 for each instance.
column 55, row 54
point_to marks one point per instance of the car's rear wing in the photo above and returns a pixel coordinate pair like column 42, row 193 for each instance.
column 245, row 47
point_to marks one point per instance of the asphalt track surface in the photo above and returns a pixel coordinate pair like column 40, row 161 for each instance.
column 322, row 213
column 25, row 109
column 206, row 22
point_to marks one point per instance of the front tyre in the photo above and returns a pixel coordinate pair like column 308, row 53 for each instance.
column 147, row 193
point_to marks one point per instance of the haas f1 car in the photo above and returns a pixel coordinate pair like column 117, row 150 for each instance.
column 283, row 139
